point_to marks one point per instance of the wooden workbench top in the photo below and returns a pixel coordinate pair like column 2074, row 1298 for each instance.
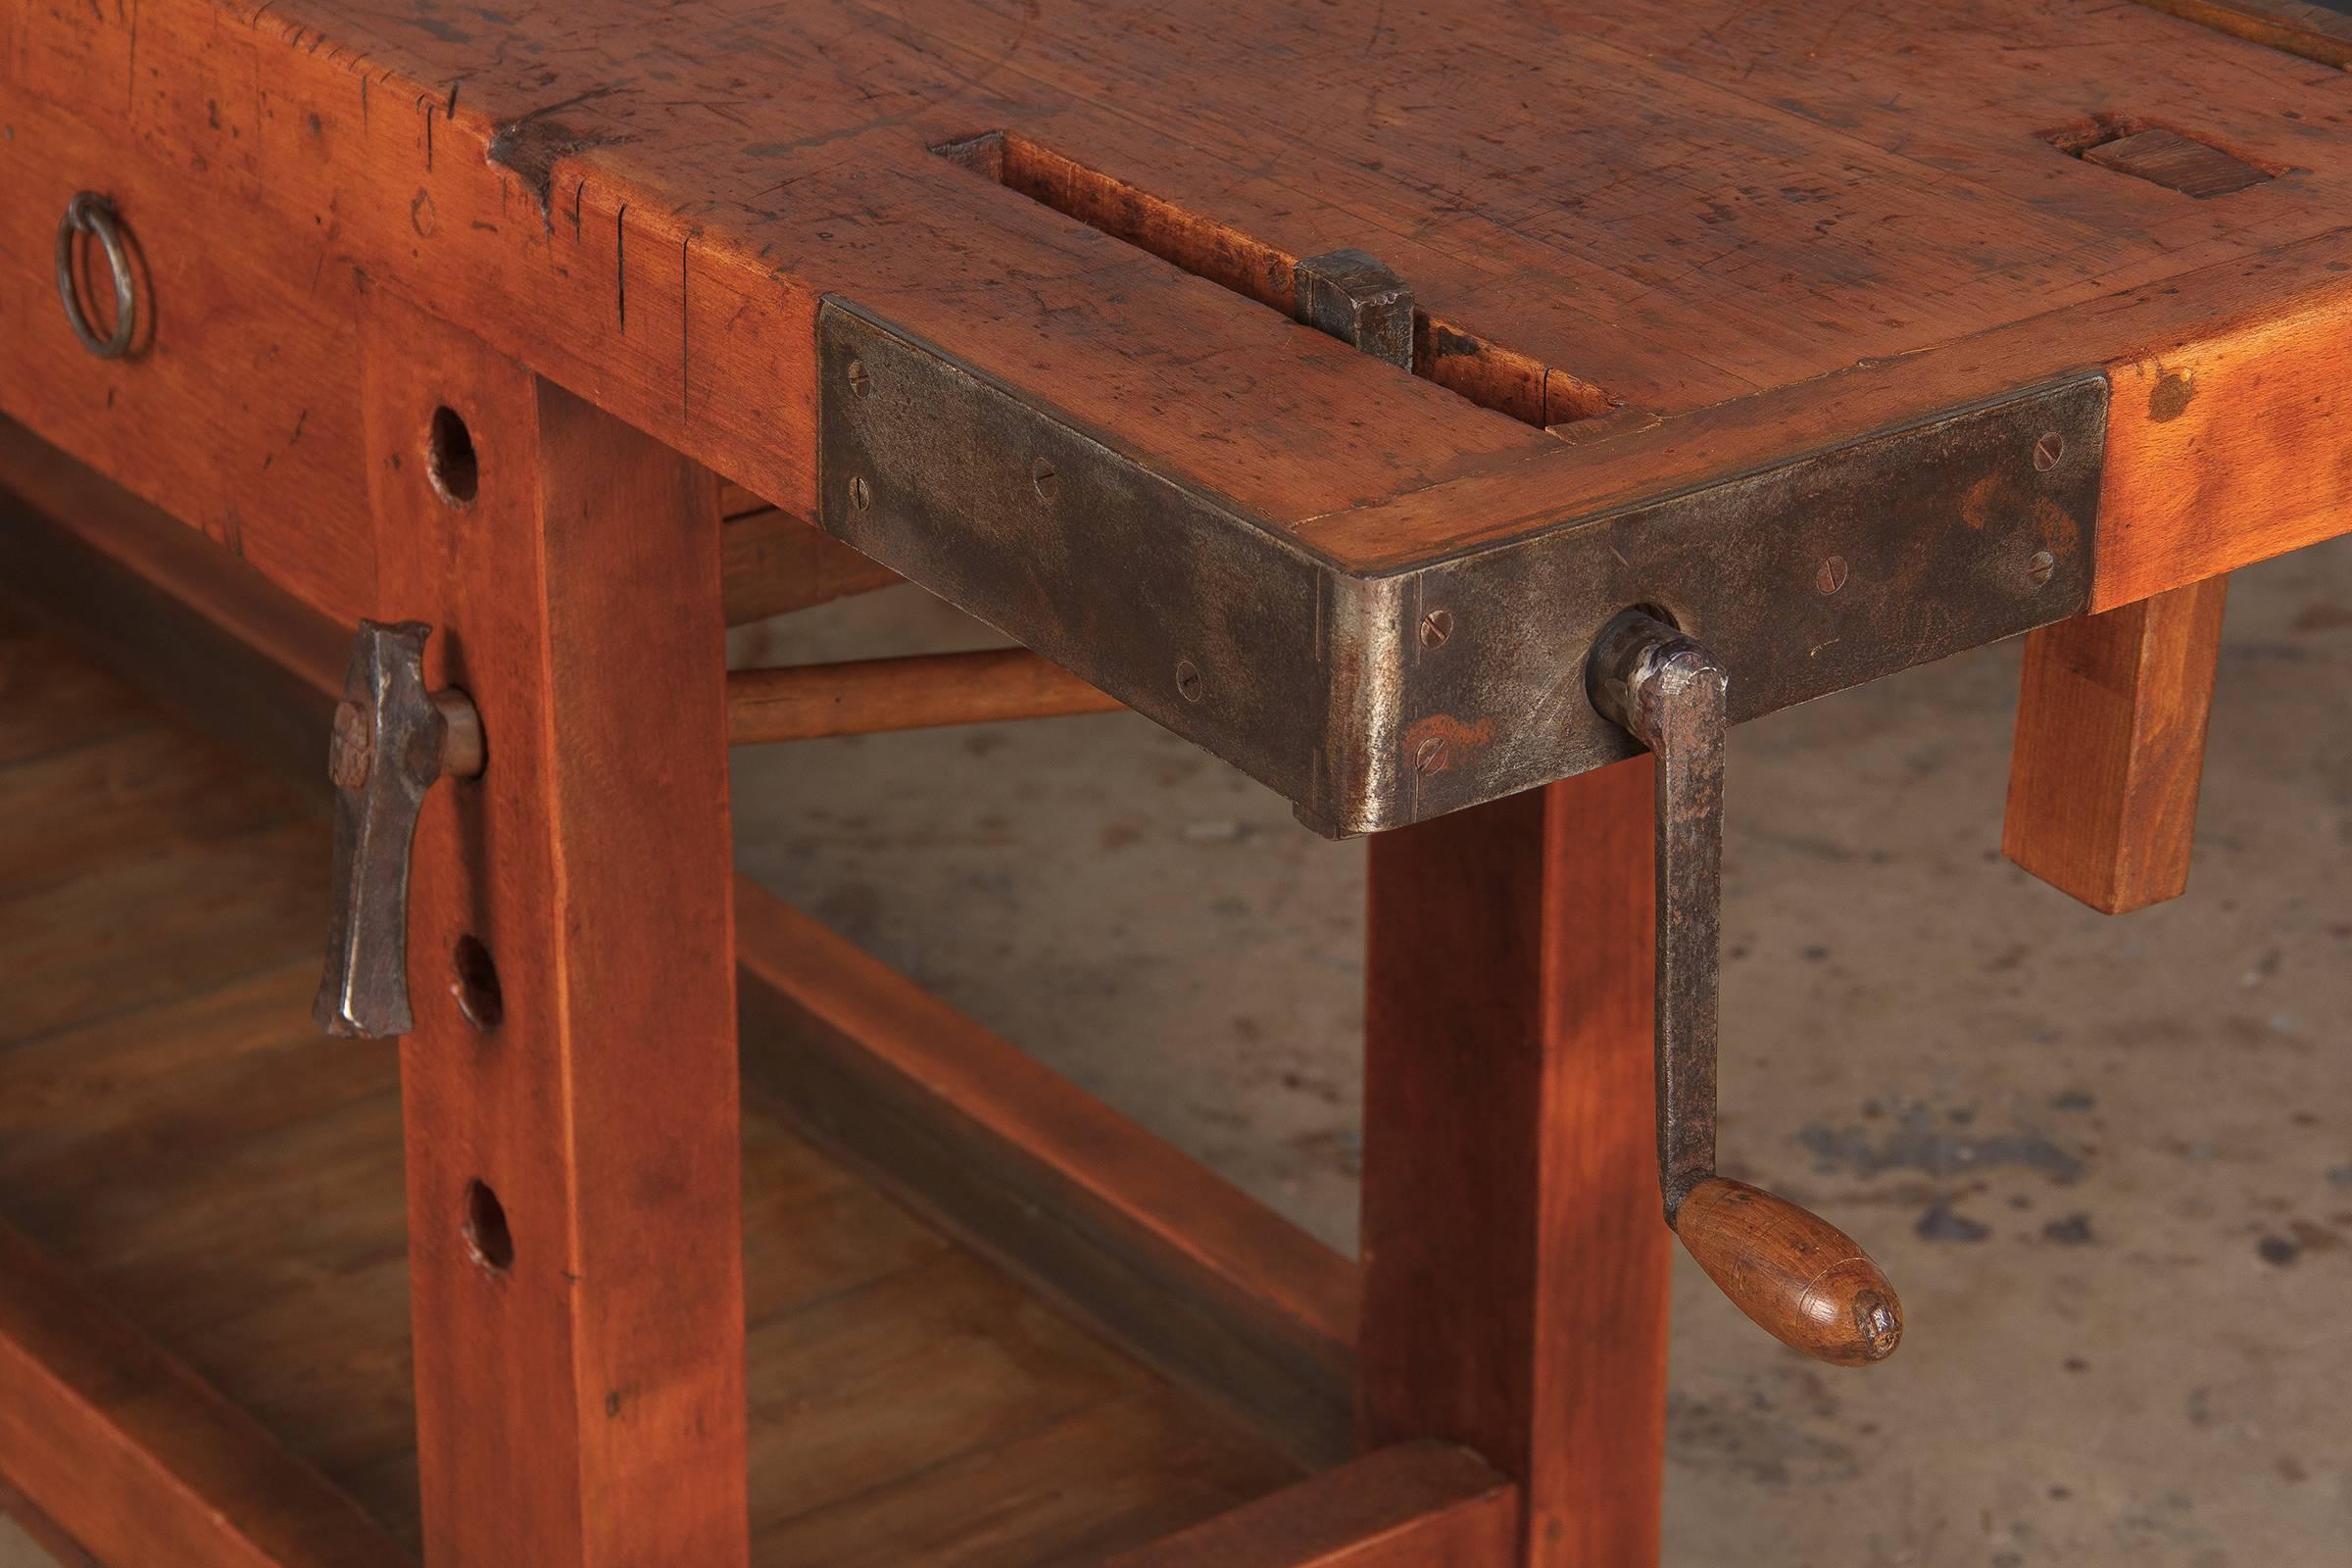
column 1630, row 204
column 1652, row 246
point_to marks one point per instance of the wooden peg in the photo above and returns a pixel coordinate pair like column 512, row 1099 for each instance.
column 2111, row 748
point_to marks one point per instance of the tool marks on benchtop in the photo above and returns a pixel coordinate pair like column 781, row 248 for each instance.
column 1630, row 199
column 1622, row 180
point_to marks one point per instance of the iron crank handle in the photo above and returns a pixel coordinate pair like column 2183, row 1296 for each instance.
column 1798, row 1276
column 392, row 739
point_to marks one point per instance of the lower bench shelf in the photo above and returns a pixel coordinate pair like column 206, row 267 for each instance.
column 177, row 1142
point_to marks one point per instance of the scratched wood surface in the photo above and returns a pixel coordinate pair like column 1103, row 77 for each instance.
column 174, row 1133
column 1703, row 213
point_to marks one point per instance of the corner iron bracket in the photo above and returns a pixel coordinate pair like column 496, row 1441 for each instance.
column 1374, row 700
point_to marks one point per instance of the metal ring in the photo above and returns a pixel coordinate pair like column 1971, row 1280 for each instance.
column 89, row 213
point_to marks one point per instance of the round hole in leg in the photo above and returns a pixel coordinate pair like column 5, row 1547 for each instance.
column 485, row 1228
column 474, row 983
column 449, row 458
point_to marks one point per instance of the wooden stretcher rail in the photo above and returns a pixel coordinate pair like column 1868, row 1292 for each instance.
column 1416, row 1505
column 919, row 691
column 1086, row 1207
column 1120, row 1228
column 136, row 1460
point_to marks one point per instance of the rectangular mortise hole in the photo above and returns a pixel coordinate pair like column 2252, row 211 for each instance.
column 2159, row 155
column 1466, row 365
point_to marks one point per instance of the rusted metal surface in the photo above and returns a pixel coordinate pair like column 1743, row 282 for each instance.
column 1669, row 694
column 1358, row 300
column 391, row 740
column 1371, row 701
column 1172, row 600
column 1930, row 534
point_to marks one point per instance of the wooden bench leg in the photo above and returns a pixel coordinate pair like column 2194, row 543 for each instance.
column 1516, row 1264
column 2111, row 748
column 569, row 1091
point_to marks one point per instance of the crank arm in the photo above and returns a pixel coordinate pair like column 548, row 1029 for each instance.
column 1798, row 1276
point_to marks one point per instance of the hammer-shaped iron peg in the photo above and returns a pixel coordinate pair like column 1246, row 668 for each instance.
column 392, row 739
column 1796, row 1275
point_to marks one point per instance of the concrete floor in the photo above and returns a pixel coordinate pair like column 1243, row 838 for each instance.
column 2108, row 1162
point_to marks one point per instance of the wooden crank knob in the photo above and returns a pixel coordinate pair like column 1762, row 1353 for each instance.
column 1798, row 1277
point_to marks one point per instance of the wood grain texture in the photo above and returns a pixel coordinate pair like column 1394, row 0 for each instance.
column 776, row 564
column 1797, row 1276
column 239, row 405
column 691, row 314
column 2227, row 449
column 2176, row 162
column 43, row 1531
column 1418, row 1505
column 1161, row 1255
column 579, row 1350
column 187, row 1145
column 918, row 691
column 662, row 251
column 136, row 1460
column 1515, row 1262
column 2110, row 748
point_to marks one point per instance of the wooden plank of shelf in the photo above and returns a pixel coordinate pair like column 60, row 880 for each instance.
column 568, row 1093
column 1515, row 1259
column 203, row 1162
column 694, row 326
column 1129, row 1234
column 1160, row 1254
column 137, row 1459
column 1416, row 1505
column 2176, row 162
column 2111, row 748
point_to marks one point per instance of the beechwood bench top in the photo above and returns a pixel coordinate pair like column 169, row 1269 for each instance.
column 1004, row 294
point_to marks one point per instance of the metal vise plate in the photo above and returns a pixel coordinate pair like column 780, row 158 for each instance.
column 1816, row 573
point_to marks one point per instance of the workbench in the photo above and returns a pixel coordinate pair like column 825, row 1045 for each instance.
column 1450, row 418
